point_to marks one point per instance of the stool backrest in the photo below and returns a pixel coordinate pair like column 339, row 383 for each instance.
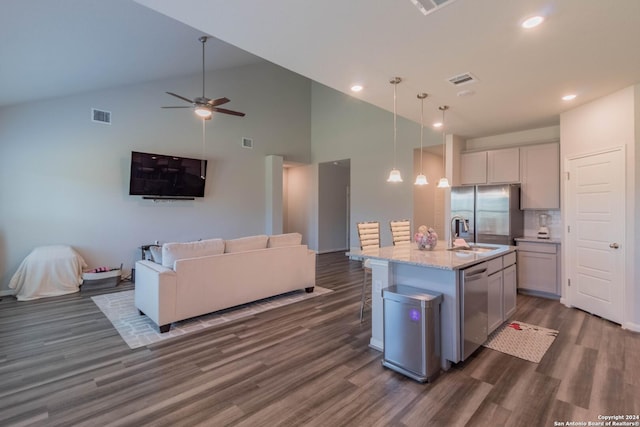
column 369, row 234
column 400, row 231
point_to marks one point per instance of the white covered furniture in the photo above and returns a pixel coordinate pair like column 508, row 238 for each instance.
column 201, row 277
column 48, row 271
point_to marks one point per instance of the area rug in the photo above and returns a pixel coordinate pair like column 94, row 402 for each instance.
column 519, row 339
column 138, row 331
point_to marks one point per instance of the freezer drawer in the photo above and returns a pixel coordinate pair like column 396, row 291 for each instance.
column 411, row 326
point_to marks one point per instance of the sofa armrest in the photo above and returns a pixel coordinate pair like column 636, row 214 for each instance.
column 155, row 292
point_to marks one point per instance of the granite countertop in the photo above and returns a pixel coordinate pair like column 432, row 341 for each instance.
column 439, row 257
column 534, row 239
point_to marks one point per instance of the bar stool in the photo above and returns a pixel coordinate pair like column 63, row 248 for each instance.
column 369, row 235
column 400, row 231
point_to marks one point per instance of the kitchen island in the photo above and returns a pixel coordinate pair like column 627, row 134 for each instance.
column 438, row 270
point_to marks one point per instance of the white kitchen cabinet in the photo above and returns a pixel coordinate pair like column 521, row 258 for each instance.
column 538, row 268
column 490, row 167
column 503, row 166
column 473, row 168
column 501, row 301
column 495, row 301
column 509, row 282
column 540, row 176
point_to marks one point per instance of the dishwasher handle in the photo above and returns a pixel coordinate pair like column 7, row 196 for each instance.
column 474, row 275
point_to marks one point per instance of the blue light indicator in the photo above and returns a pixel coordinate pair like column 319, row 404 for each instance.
column 414, row 314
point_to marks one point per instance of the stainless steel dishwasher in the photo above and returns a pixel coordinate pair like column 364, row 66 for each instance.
column 475, row 293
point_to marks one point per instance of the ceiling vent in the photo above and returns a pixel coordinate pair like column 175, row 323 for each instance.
column 430, row 6
column 100, row 116
column 462, row 79
column 247, row 142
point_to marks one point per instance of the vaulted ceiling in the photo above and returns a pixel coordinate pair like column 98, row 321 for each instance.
column 585, row 47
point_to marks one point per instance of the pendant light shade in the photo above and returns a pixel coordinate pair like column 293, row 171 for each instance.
column 421, row 179
column 444, row 182
column 394, row 175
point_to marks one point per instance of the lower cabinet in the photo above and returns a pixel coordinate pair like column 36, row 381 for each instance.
column 538, row 268
column 502, row 290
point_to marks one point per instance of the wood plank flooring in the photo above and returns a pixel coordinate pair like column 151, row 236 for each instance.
column 63, row 364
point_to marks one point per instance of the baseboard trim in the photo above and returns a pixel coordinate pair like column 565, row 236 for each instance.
column 6, row 292
column 328, row 251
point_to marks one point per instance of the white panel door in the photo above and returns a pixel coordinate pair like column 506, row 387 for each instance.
column 595, row 219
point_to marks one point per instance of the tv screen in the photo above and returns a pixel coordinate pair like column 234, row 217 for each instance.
column 159, row 175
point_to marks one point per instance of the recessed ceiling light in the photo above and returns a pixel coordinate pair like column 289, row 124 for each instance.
column 569, row 97
column 356, row 88
column 437, row 125
column 534, row 21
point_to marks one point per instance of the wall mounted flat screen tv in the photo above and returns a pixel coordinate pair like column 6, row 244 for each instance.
column 159, row 175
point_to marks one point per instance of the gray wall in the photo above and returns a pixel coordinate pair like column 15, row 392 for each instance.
column 64, row 179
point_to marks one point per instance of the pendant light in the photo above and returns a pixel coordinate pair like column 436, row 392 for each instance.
column 394, row 175
column 444, row 182
column 421, row 179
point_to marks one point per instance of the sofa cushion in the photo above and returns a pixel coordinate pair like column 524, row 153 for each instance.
column 281, row 240
column 171, row 252
column 246, row 244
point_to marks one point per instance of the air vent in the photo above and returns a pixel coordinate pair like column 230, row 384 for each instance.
column 247, row 143
column 100, row 116
column 430, row 6
column 462, row 79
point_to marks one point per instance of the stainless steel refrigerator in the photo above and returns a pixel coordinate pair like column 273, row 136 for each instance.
column 492, row 211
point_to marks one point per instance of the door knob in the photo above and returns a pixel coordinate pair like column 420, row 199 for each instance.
column 614, row 246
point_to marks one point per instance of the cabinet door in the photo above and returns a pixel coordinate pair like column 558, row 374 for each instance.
column 509, row 291
column 540, row 180
column 495, row 301
column 473, row 168
column 503, row 166
column 537, row 272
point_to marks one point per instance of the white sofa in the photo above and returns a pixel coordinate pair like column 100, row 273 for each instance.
column 201, row 277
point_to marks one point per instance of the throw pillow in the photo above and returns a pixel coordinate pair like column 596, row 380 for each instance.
column 171, row 252
column 156, row 254
column 281, row 240
column 246, row 244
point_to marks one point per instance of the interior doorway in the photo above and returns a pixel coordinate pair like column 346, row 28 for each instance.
column 334, row 205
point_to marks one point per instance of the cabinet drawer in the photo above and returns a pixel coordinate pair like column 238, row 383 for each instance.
column 509, row 259
column 546, row 248
column 494, row 265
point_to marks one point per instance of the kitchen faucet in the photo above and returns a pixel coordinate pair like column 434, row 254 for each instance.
column 453, row 233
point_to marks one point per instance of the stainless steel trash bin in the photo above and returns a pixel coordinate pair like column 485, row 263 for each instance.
column 411, row 318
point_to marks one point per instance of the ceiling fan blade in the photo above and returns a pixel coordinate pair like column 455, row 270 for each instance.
column 181, row 97
column 225, row 111
column 219, row 101
column 181, row 106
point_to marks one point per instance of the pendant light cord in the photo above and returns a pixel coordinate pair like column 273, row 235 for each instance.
column 394, row 124
column 421, row 130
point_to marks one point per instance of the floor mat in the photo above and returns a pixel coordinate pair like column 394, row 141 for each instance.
column 519, row 339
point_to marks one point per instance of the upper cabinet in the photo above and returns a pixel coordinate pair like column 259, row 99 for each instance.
column 490, row 167
column 540, row 176
column 473, row 168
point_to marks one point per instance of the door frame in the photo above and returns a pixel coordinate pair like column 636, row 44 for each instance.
column 566, row 251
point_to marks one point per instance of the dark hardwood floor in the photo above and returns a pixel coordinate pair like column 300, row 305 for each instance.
column 63, row 364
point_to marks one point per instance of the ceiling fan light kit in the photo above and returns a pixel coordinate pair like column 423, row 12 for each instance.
column 204, row 107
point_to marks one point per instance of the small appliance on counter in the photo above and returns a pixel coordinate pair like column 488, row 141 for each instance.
column 543, row 230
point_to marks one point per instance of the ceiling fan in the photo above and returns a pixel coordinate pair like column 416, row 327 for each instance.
column 203, row 106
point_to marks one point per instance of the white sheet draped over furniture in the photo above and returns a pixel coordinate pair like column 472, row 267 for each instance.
column 48, row 271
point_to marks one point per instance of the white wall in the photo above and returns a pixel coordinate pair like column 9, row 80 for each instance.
column 427, row 199
column 64, row 179
column 530, row 136
column 611, row 121
column 346, row 128
column 333, row 182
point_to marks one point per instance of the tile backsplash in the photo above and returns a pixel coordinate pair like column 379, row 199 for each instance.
column 554, row 223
